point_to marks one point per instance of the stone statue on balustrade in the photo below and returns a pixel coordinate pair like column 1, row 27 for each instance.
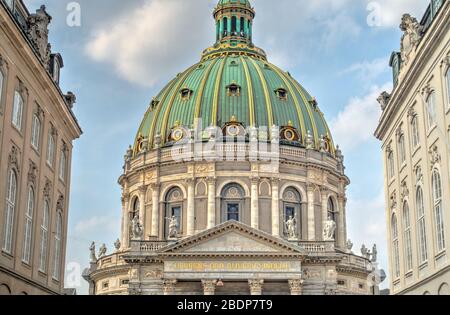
column 137, row 229
column 291, row 227
column 102, row 251
column 92, row 251
column 173, row 227
column 329, row 230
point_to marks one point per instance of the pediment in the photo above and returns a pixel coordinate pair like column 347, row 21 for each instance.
column 233, row 238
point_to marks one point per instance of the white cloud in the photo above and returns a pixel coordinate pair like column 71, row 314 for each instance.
column 388, row 13
column 356, row 123
column 154, row 40
column 367, row 71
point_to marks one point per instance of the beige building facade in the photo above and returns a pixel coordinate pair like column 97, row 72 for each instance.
column 415, row 132
column 37, row 128
column 233, row 207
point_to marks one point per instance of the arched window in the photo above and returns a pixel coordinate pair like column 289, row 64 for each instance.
column 423, row 246
column 448, row 86
column 136, row 208
column 438, row 210
column 391, row 164
column 415, row 132
column 225, row 26
column 232, row 203
column 407, row 236
column 11, row 198
column 58, row 241
column 27, row 238
column 395, row 246
column 62, row 165
column 2, row 78
column 51, row 149
column 44, row 238
column 233, row 25
column 292, row 206
column 402, row 149
column 36, row 132
column 431, row 110
column 242, row 30
column 17, row 111
column 174, row 209
column 332, row 214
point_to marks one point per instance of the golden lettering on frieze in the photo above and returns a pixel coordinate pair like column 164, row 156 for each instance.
column 232, row 266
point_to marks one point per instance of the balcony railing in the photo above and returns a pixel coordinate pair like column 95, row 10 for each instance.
column 308, row 247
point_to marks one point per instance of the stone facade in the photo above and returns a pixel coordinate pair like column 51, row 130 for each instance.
column 29, row 265
column 156, row 264
column 414, row 129
column 235, row 208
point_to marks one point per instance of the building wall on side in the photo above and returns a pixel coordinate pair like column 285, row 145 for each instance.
column 23, row 72
column 426, row 73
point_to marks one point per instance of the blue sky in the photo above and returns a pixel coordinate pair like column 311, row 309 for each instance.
column 125, row 51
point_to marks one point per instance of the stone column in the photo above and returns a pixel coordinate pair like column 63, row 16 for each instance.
column 155, row 210
column 209, row 287
column 211, row 202
column 125, row 222
column 311, row 219
column 275, row 207
column 169, row 287
column 296, row 286
column 256, row 286
column 324, row 195
column 190, row 207
column 255, row 203
column 342, row 223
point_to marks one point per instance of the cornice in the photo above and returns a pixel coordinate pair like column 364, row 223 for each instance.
column 426, row 48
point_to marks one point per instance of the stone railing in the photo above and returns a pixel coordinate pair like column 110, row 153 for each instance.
column 351, row 260
column 110, row 261
column 316, row 247
column 148, row 246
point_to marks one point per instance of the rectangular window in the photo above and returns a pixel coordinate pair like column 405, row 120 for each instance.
column 233, row 212
column 17, row 111
column 50, row 150
column 1, row 88
column 62, row 166
column 35, row 132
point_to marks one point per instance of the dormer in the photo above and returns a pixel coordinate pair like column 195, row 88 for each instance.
column 55, row 66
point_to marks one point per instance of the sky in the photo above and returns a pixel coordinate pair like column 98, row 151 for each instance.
column 123, row 52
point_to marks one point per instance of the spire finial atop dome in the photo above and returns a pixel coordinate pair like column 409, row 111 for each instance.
column 234, row 20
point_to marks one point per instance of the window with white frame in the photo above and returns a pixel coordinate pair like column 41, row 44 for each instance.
column 431, row 110
column 11, row 198
column 27, row 238
column 415, row 131
column 438, row 210
column 58, row 241
column 395, row 246
column 50, row 149
column 448, row 86
column 407, row 236
column 423, row 243
column 62, row 165
column 402, row 148
column 17, row 111
column 36, row 132
column 44, row 238
column 2, row 78
column 391, row 164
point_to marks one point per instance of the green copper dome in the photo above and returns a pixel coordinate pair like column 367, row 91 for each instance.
column 234, row 2
column 234, row 83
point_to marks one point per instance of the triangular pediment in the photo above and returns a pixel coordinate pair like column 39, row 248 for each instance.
column 233, row 238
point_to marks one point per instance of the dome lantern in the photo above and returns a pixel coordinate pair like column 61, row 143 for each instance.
column 234, row 20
